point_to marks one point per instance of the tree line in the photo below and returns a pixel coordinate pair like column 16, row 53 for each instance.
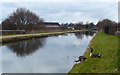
column 24, row 19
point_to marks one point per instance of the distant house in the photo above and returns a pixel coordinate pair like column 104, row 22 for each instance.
column 71, row 28
column 51, row 24
column 46, row 26
column 49, row 27
column 94, row 28
column 111, row 29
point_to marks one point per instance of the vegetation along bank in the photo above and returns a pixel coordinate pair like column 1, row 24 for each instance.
column 105, row 44
column 19, row 37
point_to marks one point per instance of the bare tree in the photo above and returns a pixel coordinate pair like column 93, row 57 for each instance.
column 108, row 26
column 78, row 25
column 24, row 19
column 105, row 22
column 7, row 25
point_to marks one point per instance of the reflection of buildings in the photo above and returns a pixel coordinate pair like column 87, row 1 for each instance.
column 27, row 47
column 80, row 35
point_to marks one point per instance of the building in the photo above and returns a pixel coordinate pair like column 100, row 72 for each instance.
column 51, row 24
column 46, row 26
column 94, row 28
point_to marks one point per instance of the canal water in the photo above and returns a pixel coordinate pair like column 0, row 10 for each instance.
column 55, row 54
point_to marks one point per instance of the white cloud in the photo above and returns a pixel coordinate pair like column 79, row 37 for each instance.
column 66, row 11
column 59, row 0
column 0, row 12
column 71, row 17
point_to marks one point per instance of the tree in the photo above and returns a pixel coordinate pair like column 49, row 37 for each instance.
column 109, row 27
column 7, row 25
column 87, row 25
column 78, row 25
column 23, row 19
column 104, row 23
column 27, row 47
column 91, row 25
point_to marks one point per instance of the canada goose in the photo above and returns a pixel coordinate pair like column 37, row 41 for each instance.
column 81, row 58
column 94, row 55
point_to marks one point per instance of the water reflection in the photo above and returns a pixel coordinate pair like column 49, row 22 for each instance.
column 80, row 35
column 45, row 55
column 27, row 47
column 65, row 34
column 89, row 33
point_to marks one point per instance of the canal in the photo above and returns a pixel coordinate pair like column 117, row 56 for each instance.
column 55, row 54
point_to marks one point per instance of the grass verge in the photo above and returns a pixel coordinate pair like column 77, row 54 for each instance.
column 105, row 44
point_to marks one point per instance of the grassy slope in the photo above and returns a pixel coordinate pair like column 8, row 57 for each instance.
column 108, row 63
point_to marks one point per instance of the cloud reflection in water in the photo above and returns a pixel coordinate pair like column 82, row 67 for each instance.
column 49, row 55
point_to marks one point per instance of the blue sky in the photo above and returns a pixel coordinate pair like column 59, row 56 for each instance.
column 64, row 12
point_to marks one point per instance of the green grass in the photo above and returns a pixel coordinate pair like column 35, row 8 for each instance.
column 105, row 44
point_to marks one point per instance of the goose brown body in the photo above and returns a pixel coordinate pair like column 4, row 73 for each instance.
column 81, row 58
column 94, row 55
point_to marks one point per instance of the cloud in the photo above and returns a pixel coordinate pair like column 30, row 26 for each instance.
column 66, row 11
column 71, row 17
column 59, row 0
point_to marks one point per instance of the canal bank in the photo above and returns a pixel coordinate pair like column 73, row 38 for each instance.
column 105, row 44
column 17, row 38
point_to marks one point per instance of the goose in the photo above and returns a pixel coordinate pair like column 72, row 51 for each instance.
column 81, row 58
column 94, row 55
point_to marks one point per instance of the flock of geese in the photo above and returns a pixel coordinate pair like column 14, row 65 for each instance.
column 83, row 58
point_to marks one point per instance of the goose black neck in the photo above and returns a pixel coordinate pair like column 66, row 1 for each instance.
column 91, row 50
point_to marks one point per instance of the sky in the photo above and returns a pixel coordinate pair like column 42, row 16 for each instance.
column 64, row 11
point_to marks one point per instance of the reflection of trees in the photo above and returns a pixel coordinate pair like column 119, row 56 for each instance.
column 65, row 34
column 89, row 33
column 80, row 35
column 27, row 47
